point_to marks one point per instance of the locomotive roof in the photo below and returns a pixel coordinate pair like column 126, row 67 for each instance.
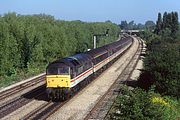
column 80, row 58
column 75, row 60
column 60, row 63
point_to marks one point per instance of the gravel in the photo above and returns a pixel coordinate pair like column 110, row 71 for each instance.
column 139, row 65
column 19, row 113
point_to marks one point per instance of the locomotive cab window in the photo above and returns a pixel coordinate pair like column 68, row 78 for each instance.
column 63, row 70
column 52, row 71
column 58, row 71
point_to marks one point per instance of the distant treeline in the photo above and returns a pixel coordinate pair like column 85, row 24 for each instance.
column 150, row 25
column 29, row 42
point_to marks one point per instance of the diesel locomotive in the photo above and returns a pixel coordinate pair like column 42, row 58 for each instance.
column 66, row 76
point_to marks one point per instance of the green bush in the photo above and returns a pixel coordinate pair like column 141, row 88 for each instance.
column 140, row 105
column 162, row 66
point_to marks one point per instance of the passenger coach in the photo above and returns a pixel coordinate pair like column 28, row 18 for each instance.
column 66, row 76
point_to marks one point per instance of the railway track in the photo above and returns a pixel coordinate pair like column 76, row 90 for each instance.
column 20, row 96
column 101, row 109
column 20, row 87
column 20, row 101
column 47, row 109
column 39, row 112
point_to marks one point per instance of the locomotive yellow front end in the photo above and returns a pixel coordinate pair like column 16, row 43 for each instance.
column 58, row 81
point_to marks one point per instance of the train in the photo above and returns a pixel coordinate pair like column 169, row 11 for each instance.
column 66, row 76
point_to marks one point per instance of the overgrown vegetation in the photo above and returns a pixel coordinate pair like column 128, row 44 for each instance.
column 141, row 105
column 162, row 64
column 161, row 72
column 29, row 43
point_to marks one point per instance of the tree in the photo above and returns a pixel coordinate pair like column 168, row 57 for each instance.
column 131, row 25
column 175, row 24
column 108, row 21
column 150, row 25
column 158, row 24
column 124, row 25
column 140, row 26
column 170, row 22
column 10, row 57
column 164, row 20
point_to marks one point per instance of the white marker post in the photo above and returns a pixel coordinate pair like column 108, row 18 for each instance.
column 94, row 38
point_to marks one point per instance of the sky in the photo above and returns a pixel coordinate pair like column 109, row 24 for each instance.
column 93, row 10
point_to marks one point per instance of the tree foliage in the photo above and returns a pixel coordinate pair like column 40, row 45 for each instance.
column 168, row 22
column 162, row 63
column 150, row 25
column 158, row 24
column 131, row 25
column 29, row 42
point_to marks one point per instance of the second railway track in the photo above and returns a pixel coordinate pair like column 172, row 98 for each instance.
column 18, row 95
column 20, row 101
column 9, row 92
